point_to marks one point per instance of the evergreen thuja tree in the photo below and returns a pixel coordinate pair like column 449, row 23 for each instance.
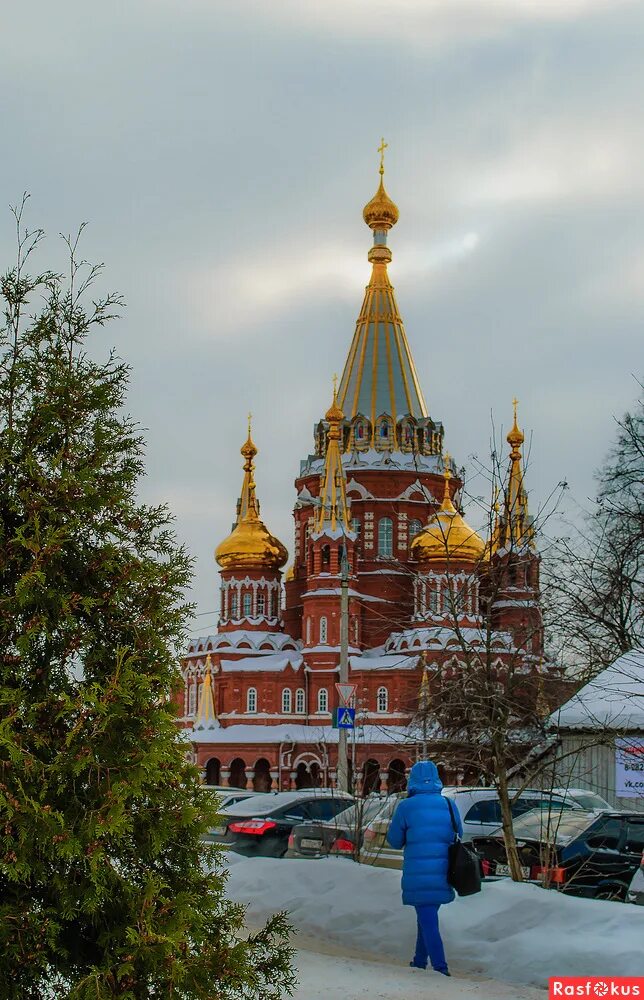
column 106, row 887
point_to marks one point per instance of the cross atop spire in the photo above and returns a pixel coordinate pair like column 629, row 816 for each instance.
column 381, row 149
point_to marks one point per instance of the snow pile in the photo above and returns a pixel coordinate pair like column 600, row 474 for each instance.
column 614, row 699
column 519, row 933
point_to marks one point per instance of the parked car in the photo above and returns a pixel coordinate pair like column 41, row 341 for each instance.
column 341, row 835
column 229, row 796
column 584, row 798
column 480, row 812
column 635, row 892
column 261, row 825
column 582, row 852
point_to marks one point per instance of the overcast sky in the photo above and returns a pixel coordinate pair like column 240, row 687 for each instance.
column 222, row 151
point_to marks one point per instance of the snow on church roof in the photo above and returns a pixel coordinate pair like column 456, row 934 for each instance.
column 243, row 733
column 614, row 699
column 272, row 661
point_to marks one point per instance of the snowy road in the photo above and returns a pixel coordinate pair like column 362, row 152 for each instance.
column 333, row 974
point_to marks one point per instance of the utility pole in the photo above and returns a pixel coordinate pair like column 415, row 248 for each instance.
column 343, row 764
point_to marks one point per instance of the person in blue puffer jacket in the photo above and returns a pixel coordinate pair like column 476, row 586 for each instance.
column 422, row 827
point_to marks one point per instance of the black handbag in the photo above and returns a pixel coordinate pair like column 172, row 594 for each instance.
column 463, row 866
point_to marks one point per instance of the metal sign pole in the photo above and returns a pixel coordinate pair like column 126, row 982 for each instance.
column 343, row 764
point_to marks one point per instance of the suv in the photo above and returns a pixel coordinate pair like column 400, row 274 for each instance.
column 584, row 853
column 480, row 812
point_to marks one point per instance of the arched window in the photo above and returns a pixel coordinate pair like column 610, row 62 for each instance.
column 274, row 604
column 323, row 700
column 415, row 527
column 251, row 700
column 323, row 631
column 433, row 599
column 355, row 525
column 385, row 537
column 247, row 604
column 308, row 631
column 192, row 698
column 299, row 701
column 286, row 700
column 326, row 557
column 234, row 606
column 261, row 604
column 382, row 700
column 356, row 631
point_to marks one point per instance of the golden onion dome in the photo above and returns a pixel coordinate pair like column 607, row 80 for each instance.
column 515, row 436
column 381, row 212
column 250, row 544
column 290, row 574
column 448, row 536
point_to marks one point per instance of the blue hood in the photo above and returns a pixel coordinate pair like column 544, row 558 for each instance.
column 423, row 777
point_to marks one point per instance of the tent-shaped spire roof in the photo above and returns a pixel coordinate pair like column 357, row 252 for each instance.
column 513, row 528
column 332, row 515
column 379, row 375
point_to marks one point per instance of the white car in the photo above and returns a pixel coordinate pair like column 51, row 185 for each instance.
column 480, row 812
column 635, row 892
column 584, row 798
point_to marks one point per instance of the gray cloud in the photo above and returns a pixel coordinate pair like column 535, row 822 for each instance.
column 222, row 153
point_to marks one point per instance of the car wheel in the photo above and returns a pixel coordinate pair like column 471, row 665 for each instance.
column 616, row 893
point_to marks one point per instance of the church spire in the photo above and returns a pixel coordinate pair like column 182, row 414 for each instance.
column 206, row 717
column 332, row 513
column 248, row 502
column 379, row 375
column 516, row 530
column 250, row 544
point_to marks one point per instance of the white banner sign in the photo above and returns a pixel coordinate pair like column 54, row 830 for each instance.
column 629, row 767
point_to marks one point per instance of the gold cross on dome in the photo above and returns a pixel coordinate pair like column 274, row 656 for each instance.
column 250, row 420
column 381, row 149
column 335, row 385
column 515, row 403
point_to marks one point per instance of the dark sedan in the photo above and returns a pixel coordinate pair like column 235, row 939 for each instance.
column 339, row 836
column 592, row 854
column 260, row 826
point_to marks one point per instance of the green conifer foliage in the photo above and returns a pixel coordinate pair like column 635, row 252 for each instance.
column 106, row 887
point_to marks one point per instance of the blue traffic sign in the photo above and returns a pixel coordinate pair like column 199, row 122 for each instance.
column 346, row 717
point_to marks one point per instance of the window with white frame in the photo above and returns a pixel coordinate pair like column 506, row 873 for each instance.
column 382, row 699
column 234, row 606
column 308, row 631
column 251, row 700
column 385, row 537
column 323, row 700
column 192, row 697
column 324, row 632
column 299, row 701
column 247, row 604
column 261, row 604
column 274, row 604
column 286, row 700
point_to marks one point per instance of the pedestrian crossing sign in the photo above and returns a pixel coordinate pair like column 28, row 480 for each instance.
column 346, row 717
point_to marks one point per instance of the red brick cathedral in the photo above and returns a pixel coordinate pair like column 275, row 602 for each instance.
column 380, row 493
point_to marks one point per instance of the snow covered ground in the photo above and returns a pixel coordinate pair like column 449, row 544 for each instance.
column 513, row 933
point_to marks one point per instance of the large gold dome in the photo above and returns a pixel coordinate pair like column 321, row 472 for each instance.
column 250, row 544
column 448, row 537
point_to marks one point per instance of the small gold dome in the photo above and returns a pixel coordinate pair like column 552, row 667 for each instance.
column 515, row 436
column 447, row 535
column 290, row 574
column 381, row 212
column 251, row 546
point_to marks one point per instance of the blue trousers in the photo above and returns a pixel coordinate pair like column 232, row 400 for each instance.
column 429, row 943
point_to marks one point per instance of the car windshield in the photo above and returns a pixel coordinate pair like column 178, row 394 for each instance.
column 552, row 825
column 591, row 801
column 359, row 814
